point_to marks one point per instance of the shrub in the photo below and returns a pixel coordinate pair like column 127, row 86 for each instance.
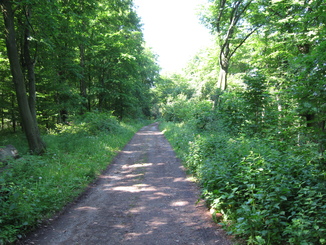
column 177, row 110
column 197, row 113
column 268, row 192
column 99, row 122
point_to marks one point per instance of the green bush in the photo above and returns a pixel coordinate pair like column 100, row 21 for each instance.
column 99, row 122
column 268, row 192
column 201, row 115
column 177, row 110
column 198, row 113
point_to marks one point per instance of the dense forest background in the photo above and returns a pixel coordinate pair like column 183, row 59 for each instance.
column 73, row 57
column 247, row 115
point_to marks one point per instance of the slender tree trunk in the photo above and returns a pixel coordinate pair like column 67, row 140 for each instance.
column 36, row 145
column 226, row 38
column 82, row 64
column 2, row 113
column 224, row 60
column 13, row 113
column 83, row 87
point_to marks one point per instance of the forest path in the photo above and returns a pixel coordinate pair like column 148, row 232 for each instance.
column 143, row 198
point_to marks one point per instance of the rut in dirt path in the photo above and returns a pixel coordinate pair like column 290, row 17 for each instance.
column 143, row 198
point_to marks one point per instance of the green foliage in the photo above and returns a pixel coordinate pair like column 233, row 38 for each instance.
column 197, row 112
column 179, row 136
column 233, row 22
column 32, row 188
column 267, row 191
column 90, row 56
column 258, row 148
column 177, row 109
column 95, row 123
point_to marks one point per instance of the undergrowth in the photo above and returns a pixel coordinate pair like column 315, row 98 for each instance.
column 33, row 188
column 268, row 192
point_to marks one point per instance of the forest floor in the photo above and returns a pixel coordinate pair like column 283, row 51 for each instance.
column 144, row 197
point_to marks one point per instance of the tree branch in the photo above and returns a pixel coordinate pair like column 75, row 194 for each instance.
column 243, row 40
column 221, row 12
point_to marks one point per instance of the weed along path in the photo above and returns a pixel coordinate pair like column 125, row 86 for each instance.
column 143, row 198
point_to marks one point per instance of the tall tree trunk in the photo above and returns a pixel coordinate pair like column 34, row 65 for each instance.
column 229, row 18
column 224, row 59
column 13, row 113
column 36, row 145
column 2, row 113
column 83, row 87
column 30, row 67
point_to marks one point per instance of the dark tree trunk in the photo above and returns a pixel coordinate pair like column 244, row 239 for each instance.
column 30, row 67
column 13, row 113
column 83, row 87
column 36, row 145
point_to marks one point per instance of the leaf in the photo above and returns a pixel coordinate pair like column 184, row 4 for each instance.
column 260, row 240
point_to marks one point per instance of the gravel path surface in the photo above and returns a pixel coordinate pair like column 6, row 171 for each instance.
column 143, row 198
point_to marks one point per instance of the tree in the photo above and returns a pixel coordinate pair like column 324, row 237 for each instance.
column 289, row 51
column 28, row 62
column 36, row 145
column 90, row 56
column 230, row 20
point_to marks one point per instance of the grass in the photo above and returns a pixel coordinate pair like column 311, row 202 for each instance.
column 33, row 188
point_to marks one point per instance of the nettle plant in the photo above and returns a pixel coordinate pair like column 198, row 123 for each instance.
column 266, row 196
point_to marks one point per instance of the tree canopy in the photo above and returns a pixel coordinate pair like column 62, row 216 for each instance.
column 74, row 57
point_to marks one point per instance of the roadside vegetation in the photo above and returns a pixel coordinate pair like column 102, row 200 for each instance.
column 265, row 182
column 247, row 115
column 248, row 118
column 33, row 187
column 267, row 193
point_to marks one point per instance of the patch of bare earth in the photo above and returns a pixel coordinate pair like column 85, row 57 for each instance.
column 143, row 198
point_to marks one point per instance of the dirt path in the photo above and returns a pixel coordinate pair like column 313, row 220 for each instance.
column 143, row 198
